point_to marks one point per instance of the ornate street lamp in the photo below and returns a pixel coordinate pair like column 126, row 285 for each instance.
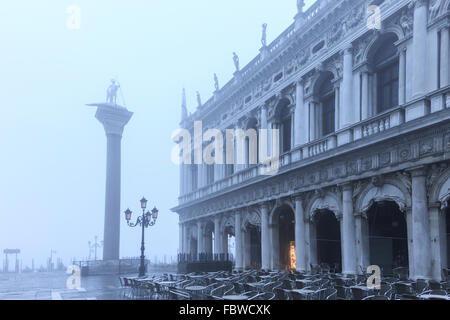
column 146, row 220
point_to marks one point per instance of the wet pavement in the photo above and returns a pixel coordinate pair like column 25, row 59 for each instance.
column 53, row 286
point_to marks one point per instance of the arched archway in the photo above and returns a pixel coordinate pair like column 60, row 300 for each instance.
column 283, row 122
column 327, row 239
column 388, row 236
column 325, row 110
column 383, row 59
column 283, row 238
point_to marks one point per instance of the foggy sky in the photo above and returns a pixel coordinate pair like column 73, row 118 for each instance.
column 53, row 150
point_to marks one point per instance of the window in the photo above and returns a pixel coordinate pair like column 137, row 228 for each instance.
column 387, row 75
column 328, row 115
column 286, row 135
column 327, row 100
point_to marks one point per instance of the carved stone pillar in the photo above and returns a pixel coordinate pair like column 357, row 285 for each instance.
column 238, row 242
column 300, row 130
column 200, row 238
column 300, row 240
column 419, row 81
column 217, row 236
column 402, row 77
column 348, row 231
column 265, row 237
column 445, row 57
column 346, row 110
column 420, row 226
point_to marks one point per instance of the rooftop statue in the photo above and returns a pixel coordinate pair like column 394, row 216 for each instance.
column 199, row 99
column 264, row 35
column 111, row 93
column 236, row 61
column 300, row 5
column 216, row 82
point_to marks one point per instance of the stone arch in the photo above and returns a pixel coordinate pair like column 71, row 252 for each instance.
column 378, row 41
column 326, row 201
column 253, row 218
column 390, row 190
column 321, row 78
column 440, row 191
column 226, row 223
column 286, row 203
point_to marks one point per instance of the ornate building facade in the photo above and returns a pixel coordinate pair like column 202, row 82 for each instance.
column 364, row 118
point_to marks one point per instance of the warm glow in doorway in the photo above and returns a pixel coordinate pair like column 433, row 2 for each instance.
column 293, row 260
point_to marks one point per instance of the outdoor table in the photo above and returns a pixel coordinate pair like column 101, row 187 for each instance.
column 303, row 291
column 222, row 279
column 195, row 288
column 433, row 297
column 365, row 288
column 235, row 297
column 166, row 283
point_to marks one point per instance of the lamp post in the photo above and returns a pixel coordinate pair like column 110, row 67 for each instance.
column 146, row 220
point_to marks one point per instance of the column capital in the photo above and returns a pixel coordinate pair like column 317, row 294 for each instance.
column 418, row 3
column 347, row 186
column 420, row 171
column 348, row 49
column 113, row 118
column 298, row 197
column 264, row 205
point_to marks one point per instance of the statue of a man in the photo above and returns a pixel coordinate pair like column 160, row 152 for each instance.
column 111, row 93
column 199, row 99
column 300, row 5
column 216, row 82
column 264, row 35
column 236, row 61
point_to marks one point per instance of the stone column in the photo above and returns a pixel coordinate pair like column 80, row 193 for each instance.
column 238, row 242
column 362, row 245
column 402, row 77
column 300, row 131
column 180, row 238
column 186, row 238
column 409, row 226
column 365, row 106
column 445, row 57
column 348, row 231
column 419, row 65
column 313, row 121
column 300, row 240
column 246, row 250
column 436, row 263
column 265, row 237
column 114, row 118
column 346, row 110
column 337, row 105
column 420, row 226
column 217, row 237
column 200, row 240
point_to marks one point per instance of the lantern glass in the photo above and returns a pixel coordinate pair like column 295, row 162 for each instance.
column 155, row 213
column 128, row 215
column 148, row 216
column 143, row 203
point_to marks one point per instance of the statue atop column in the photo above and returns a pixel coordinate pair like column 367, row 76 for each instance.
column 199, row 99
column 300, row 6
column 216, row 82
column 236, row 61
column 111, row 93
column 264, row 35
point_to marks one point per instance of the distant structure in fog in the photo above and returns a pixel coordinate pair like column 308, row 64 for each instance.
column 364, row 119
column 114, row 118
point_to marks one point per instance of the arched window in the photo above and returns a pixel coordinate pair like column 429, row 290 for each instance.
column 286, row 130
column 327, row 101
column 386, row 66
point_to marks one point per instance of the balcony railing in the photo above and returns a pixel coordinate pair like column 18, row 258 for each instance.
column 363, row 130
